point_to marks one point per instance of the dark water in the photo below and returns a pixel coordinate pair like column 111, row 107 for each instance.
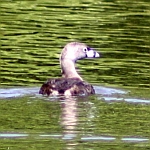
column 32, row 34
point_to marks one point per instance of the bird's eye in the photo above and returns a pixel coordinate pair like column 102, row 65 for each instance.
column 85, row 49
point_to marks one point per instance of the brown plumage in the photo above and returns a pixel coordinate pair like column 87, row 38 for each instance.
column 66, row 86
column 71, row 83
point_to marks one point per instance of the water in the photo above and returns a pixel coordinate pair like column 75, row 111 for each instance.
column 32, row 36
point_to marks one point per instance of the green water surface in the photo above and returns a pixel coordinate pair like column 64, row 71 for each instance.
column 32, row 34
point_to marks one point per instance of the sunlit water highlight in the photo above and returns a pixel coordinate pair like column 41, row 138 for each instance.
column 72, row 136
column 107, row 94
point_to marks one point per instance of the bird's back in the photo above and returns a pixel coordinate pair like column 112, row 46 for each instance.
column 66, row 86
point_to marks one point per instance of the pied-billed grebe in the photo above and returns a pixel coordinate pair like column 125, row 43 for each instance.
column 71, row 83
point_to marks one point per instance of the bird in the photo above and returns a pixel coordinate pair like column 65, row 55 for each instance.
column 71, row 83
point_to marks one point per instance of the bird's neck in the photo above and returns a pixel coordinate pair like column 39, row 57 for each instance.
column 68, row 69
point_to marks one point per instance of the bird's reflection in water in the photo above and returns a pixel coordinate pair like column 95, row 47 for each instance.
column 69, row 115
column 70, row 118
column 69, row 121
